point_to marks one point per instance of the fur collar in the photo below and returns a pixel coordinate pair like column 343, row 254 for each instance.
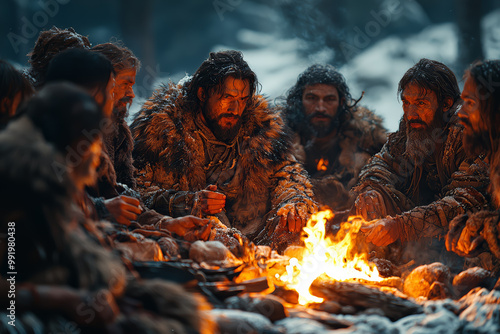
column 165, row 133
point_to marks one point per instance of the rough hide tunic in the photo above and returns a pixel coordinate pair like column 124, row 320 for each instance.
column 258, row 174
column 119, row 145
column 451, row 185
column 334, row 162
column 484, row 224
column 116, row 164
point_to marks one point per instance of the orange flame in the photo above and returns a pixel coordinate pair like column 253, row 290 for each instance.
column 325, row 256
column 322, row 165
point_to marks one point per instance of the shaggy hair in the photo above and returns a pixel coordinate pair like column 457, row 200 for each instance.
column 167, row 143
column 121, row 57
column 431, row 75
column 213, row 71
column 316, row 74
column 486, row 76
column 50, row 43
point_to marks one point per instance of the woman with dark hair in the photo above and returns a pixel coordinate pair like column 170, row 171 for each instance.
column 14, row 89
column 94, row 72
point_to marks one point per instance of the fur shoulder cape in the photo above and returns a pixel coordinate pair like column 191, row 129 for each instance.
column 165, row 135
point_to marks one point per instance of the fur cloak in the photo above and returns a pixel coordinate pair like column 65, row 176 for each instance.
column 457, row 183
column 169, row 148
column 116, row 164
column 468, row 229
column 56, row 248
column 359, row 137
column 119, row 145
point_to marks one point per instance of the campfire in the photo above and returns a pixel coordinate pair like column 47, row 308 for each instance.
column 324, row 256
column 329, row 282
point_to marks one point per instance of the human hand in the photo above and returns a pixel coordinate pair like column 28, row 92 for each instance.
column 182, row 225
column 293, row 216
column 382, row 232
column 212, row 202
column 464, row 237
column 370, row 205
column 123, row 208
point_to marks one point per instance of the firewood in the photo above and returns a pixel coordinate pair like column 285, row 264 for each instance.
column 390, row 282
column 364, row 297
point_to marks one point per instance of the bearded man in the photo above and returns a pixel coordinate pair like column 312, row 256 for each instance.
column 118, row 138
column 334, row 138
column 212, row 147
column 422, row 177
column 473, row 234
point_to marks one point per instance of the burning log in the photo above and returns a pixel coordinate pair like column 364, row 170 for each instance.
column 364, row 297
column 389, row 282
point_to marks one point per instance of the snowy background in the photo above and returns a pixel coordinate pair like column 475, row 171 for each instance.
column 372, row 42
column 376, row 70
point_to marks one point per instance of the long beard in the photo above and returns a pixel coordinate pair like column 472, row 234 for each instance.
column 419, row 146
column 223, row 134
column 323, row 129
column 421, row 143
column 120, row 110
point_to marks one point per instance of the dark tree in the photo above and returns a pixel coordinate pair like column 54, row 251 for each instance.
column 136, row 24
column 470, row 48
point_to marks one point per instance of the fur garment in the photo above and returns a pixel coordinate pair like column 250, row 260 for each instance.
column 169, row 149
column 454, row 183
column 346, row 151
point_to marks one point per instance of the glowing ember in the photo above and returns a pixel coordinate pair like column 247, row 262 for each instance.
column 322, row 164
column 326, row 256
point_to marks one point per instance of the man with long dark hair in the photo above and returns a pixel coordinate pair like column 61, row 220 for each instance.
column 471, row 234
column 213, row 147
column 334, row 138
column 422, row 178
